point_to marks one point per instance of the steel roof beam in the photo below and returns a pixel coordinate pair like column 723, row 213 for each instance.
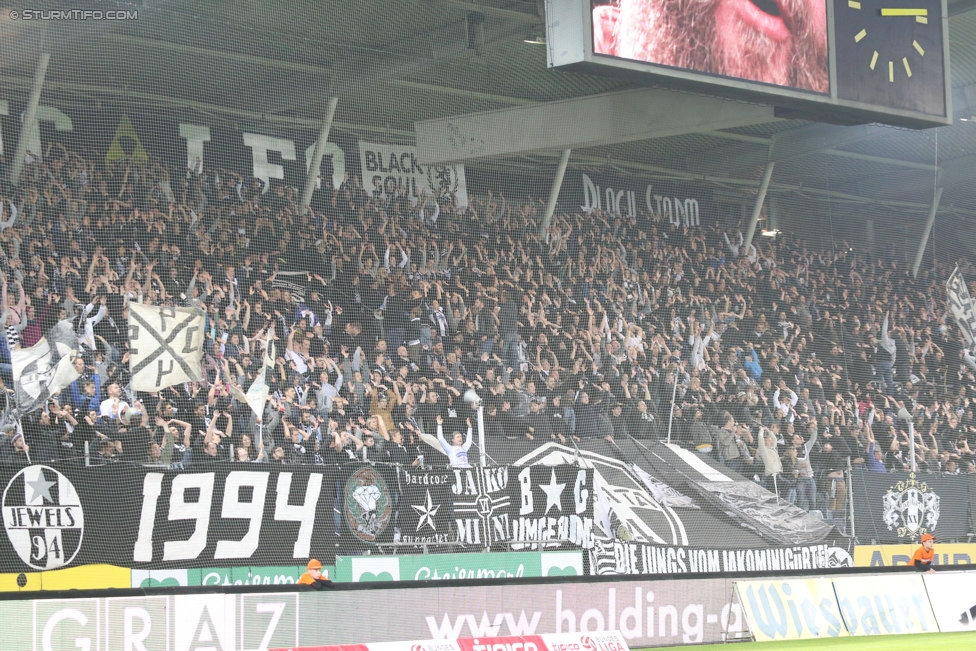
column 816, row 138
column 592, row 121
column 307, row 68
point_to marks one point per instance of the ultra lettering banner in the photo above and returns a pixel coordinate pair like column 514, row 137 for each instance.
column 678, row 204
column 524, row 506
column 139, row 517
column 165, row 346
column 518, row 507
column 226, row 515
column 615, row 557
column 900, row 507
column 390, row 169
column 425, row 506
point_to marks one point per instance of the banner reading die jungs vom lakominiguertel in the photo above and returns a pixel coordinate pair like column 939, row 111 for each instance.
column 390, row 169
column 616, row 557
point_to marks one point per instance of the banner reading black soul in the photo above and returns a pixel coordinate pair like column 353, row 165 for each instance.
column 900, row 507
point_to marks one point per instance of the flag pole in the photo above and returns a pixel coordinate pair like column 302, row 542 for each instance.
column 674, row 394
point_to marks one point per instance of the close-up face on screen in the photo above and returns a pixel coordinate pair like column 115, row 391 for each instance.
column 781, row 42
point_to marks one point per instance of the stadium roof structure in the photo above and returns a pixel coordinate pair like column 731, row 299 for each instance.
column 394, row 63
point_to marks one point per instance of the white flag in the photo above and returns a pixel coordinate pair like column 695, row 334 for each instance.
column 257, row 395
column 45, row 367
column 165, row 346
column 961, row 306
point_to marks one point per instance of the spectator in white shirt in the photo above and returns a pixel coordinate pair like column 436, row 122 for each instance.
column 113, row 406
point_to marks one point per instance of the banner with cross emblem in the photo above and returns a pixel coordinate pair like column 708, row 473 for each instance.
column 165, row 346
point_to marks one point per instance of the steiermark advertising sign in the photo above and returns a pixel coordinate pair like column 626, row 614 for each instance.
column 221, row 576
column 431, row 567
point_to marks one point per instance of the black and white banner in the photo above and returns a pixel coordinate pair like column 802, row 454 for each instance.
column 45, row 367
column 616, row 557
column 139, row 517
column 165, row 346
column 389, row 169
column 961, row 306
column 900, row 507
column 524, row 506
column 678, row 204
column 424, row 514
column 222, row 515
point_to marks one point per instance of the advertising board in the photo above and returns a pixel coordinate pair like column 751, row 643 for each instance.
column 891, row 555
column 435, row 567
column 953, row 599
column 647, row 613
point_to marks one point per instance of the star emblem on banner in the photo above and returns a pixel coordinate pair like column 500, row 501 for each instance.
column 426, row 511
column 553, row 492
column 40, row 487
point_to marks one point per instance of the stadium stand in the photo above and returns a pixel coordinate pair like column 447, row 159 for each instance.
column 383, row 310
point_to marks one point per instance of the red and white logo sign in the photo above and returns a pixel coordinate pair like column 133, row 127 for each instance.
column 602, row 641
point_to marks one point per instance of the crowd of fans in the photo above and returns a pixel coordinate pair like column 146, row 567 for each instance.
column 382, row 310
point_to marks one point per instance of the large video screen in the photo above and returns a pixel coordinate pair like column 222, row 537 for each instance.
column 779, row 42
column 836, row 61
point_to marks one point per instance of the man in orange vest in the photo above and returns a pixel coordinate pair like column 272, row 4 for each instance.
column 922, row 558
column 313, row 576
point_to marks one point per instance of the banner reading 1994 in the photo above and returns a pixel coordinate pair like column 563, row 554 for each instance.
column 226, row 515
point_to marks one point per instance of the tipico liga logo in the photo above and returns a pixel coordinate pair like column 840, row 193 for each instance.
column 43, row 517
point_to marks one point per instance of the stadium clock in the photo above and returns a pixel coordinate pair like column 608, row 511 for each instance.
column 890, row 52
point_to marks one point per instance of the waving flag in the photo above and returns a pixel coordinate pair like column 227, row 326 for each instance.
column 45, row 367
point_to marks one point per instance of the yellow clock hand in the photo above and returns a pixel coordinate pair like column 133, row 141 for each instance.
column 891, row 11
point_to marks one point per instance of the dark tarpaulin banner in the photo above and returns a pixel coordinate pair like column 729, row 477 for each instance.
column 424, row 513
column 616, row 557
column 501, row 506
column 65, row 515
column 521, row 507
column 900, row 507
column 625, row 472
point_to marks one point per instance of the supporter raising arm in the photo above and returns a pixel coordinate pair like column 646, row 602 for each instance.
column 456, row 451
